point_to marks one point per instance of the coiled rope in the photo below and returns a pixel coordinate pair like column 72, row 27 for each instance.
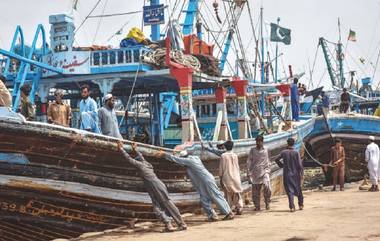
column 157, row 57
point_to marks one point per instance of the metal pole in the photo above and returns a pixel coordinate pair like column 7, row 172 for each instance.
column 276, row 66
column 155, row 29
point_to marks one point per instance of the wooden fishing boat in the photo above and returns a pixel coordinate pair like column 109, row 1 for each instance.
column 353, row 130
column 76, row 180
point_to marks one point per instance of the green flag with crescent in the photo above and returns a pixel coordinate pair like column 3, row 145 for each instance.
column 279, row 34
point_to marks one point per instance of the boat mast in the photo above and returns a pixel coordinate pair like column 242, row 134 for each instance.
column 155, row 28
column 276, row 63
column 340, row 58
column 262, row 47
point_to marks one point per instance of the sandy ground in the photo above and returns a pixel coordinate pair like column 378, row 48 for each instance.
column 348, row 215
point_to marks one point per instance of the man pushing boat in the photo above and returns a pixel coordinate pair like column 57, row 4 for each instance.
column 204, row 182
column 162, row 204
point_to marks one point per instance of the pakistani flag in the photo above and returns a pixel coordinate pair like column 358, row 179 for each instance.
column 352, row 36
column 75, row 4
column 279, row 34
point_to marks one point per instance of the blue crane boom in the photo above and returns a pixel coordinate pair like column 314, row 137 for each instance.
column 323, row 44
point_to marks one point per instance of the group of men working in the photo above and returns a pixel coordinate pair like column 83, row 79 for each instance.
column 231, row 203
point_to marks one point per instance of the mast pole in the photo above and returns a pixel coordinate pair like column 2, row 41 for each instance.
column 262, row 47
column 276, row 63
column 155, row 28
column 340, row 58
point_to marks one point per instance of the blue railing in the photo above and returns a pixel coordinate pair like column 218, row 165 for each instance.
column 114, row 57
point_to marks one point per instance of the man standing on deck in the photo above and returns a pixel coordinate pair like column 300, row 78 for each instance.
column 88, row 110
column 293, row 172
column 58, row 112
column 295, row 101
column 258, row 167
column 27, row 109
column 229, row 174
column 372, row 155
column 344, row 101
column 162, row 204
column 325, row 103
column 204, row 182
column 107, row 118
column 5, row 96
column 338, row 158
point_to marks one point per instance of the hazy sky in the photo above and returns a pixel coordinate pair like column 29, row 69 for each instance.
column 308, row 20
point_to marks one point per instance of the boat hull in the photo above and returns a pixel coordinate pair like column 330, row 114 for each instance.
column 354, row 131
column 78, row 179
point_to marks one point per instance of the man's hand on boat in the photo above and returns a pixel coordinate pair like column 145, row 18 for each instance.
column 120, row 145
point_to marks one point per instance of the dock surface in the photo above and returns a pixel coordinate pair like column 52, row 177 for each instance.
column 348, row 215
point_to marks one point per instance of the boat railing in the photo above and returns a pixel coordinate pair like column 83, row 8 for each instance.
column 114, row 57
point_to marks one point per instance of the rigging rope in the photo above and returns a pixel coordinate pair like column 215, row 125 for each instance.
column 99, row 22
column 88, row 15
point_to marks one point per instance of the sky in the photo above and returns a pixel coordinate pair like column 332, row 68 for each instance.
column 307, row 19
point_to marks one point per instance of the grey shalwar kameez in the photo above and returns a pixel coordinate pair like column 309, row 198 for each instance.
column 258, row 170
column 204, row 182
column 162, row 204
column 293, row 172
column 108, row 122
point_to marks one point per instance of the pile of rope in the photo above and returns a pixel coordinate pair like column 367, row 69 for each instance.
column 209, row 64
column 157, row 58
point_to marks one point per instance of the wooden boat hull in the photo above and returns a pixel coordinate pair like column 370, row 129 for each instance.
column 71, row 174
column 354, row 131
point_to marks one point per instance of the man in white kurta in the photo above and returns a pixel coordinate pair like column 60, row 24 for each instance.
column 229, row 174
column 372, row 157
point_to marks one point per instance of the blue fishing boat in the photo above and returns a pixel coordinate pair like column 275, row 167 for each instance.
column 67, row 181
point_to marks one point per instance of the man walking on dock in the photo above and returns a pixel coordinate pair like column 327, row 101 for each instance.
column 258, row 167
column 229, row 174
column 204, row 182
column 162, row 204
column 58, row 112
column 293, row 172
column 88, row 110
column 107, row 118
column 372, row 155
column 338, row 158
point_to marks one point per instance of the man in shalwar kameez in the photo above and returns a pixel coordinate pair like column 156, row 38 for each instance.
column 88, row 110
column 163, row 206
column 292, row 172
column 229, row 174
column 372, row 157
column 258, row 172
column 204, row 182
column 295, row 100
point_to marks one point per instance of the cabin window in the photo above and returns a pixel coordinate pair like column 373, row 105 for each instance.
column 120, row 57
column 213, row 107
column 112, row 57
column 128, row 56
column 96, row 59
column 136, row 56
column 104, row 58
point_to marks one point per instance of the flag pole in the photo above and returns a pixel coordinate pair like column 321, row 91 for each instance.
column 276, row 66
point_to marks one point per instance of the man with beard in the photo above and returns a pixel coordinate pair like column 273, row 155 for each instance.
column 107, row 118
column 372, row 157
column 58, row 112
column 88, row 110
